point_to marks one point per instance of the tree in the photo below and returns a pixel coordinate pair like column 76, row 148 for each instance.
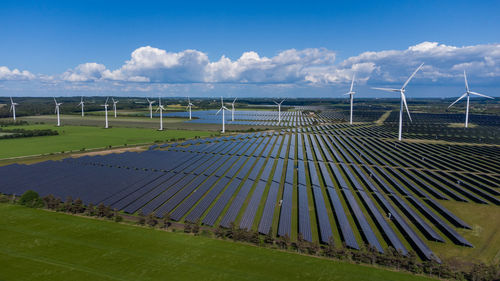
column 330, row 247
column 90, row 210
column 101, row 210
column 195, row 228
column 269, row 239
column 187, row 227
column 51, row 202
column 220, row 232
column 151, row 220
column 284, row 241
column 68, row 204
column 31, row 199
column 78, row 206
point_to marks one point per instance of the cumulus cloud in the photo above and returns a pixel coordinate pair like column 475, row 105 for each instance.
column 151, row 69
column 314, row 66
column 14, row 74
column 441, row 61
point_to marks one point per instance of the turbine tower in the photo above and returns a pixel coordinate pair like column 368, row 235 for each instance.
column 106, row 112
column 403, row 100
column 467, row 94
column 13, row 108
column 351, row 93
column 189, row 107
column 114, row 105
column 57, row 111
column 160, row 108
column 82, row 103
column 232, row 109
column 222, row 107
column 279, row 110
column 150, row 108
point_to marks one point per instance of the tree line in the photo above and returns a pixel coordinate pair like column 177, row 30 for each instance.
column 22, row 133
column 367, row 254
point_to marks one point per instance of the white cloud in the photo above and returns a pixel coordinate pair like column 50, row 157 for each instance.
column 86, row 72
column 309, row 66
column 153, row 69
column 14, row 74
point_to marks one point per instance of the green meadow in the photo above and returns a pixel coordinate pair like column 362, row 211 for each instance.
column 75, row 138
column 43, row 245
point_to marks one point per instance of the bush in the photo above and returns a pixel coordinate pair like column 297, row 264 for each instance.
column 31, row 199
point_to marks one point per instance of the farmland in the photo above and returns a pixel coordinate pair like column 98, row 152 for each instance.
column 76, row 138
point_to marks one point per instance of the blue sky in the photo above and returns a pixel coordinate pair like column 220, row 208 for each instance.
column 81, row 47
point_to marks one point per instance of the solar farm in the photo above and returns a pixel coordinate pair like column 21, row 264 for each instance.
column 312, row 177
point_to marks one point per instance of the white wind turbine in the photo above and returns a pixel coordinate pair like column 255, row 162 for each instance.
column 114, row 105
column 150, row 108
column 160, row 108
column 232, row 109
column 467, row 93
column 57, row 111
column 106, row 112
column 189, row 107
column 279, row 110
column 351, row 93
column 82, row 103
column 222, row 107
column 403, row 100
column 13, row 108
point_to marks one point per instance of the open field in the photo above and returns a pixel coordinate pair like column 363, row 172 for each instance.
column 485, row 234
column 42, row 245
column 72, row 138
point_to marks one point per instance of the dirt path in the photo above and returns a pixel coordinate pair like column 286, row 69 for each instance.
column 382, row 118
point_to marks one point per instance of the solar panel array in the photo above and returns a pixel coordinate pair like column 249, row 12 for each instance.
column 316, row 181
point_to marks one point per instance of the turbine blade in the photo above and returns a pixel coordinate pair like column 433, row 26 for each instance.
column 481, row 95
column 234, row 100
column 386, row 89
column 55, row 101
column 415, row 72
column 466, row 83
column 461, row 97
column 352, row 82
column 406, row 106
column 11, row 101
column 218, row 111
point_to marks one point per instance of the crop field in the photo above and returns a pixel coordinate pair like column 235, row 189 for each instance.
column 41, row 245
column 74, row 138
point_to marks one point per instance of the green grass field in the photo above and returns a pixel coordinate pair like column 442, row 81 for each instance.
column 485, row 234
column 78, row 137
column 42, row 245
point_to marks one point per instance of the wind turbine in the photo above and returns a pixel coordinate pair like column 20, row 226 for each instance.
column 189, row 107
column 222, row 107
column 13, row 108
column 150, row 108
column 82, row 103
column 403, row 100
column 351, row 93
column 106, row 112
column 232, row 109
column 114, row 105
column 467, row 93
column 160, row 108
column 279, row 110
column 57, row 111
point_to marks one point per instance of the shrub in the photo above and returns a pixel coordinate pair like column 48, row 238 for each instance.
column 31, row 199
